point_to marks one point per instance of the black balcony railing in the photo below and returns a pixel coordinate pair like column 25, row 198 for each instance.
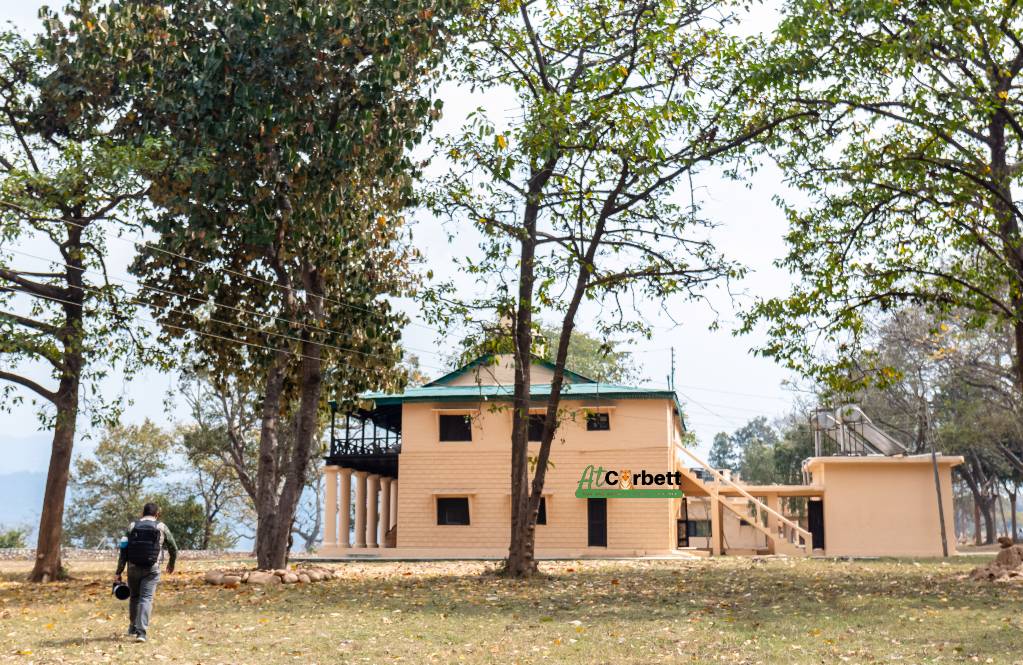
column 367, row 440
column 358, row 445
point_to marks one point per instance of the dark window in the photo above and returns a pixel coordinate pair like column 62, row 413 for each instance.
column 698, row 528
column 454, row 510
column 455, row 428
column 536, row 426
column 596, row 422
column 541, row 513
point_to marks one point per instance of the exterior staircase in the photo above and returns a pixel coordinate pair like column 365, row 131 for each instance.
column 787, row 537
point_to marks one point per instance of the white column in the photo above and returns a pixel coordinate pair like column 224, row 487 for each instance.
column 372, row 496
column 394, row 502
column 330, row 506
column 360, row 509
column 385, row 509
column 345, row 508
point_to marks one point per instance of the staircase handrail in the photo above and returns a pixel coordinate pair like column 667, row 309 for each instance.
column 803, row 533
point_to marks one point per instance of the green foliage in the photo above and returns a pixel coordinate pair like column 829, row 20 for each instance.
column 762, row 454
column 127, row 470
column 110, row 487
column 908, row 157
column 722, row 453
column 185, row 518
column 13, row 537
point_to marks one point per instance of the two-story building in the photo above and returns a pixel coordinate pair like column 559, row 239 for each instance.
column 426, row 473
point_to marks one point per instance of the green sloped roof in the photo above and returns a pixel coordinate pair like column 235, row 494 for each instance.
column 569, row 391
column 433, row 393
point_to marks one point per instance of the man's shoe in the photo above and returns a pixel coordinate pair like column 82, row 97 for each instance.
column 131, row 632
column 140, row 638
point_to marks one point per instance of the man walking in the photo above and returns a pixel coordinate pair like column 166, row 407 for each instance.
column 141, row 550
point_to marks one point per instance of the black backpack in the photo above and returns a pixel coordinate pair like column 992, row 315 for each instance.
column 143, row 548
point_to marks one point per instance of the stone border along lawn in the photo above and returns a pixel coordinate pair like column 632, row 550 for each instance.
column 728, row 610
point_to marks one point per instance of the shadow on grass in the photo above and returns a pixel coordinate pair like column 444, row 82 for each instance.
column 78, row 641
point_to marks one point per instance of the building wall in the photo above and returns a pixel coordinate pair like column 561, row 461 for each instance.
column 502, row 373
column 640, row 437
column 884, row 506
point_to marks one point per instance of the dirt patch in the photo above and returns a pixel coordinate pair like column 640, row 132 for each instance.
column 1007, row 566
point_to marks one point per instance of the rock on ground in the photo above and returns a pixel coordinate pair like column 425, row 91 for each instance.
column 299, row 575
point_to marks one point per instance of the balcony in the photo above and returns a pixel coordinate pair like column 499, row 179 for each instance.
column 366, row 440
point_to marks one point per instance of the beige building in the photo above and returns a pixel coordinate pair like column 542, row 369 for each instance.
column 427, row 474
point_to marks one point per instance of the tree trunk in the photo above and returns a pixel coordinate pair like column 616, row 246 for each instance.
column 267, row 475
column 51, row 522
column 1013, row 508
column 272, row 550
column 988, row 510
column 976, row 522
column 521, row 561
column 1001, row 514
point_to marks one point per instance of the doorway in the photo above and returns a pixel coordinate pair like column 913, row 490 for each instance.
column 596, row 520
column 815, row 522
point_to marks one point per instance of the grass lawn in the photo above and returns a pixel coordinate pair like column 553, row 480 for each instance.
column 732, row 610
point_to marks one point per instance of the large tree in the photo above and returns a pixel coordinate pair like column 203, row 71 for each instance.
column 287, row 125
column 63, row 323
column 910, row 158
column 618, row 102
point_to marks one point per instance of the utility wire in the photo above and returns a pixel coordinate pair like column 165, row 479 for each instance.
column 231, row 307
column 207, row 265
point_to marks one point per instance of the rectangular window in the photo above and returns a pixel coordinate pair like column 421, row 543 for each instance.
column 455, row 428
column 536, row 426
column 598, row 422
column 541, row 513
column 453, row 510
column 698, row 528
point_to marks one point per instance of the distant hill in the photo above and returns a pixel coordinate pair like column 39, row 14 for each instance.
column 21, row 498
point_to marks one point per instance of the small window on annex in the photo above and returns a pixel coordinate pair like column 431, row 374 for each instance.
column 456, row 427
column 598, row 422
column 698, row 528
column 453, row 511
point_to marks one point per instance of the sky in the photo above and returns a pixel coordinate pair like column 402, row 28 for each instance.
column 720, row 381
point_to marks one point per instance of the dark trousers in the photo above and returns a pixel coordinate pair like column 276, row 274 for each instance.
column 142, row 583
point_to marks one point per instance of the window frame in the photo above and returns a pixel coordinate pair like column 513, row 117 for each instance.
column 535, row 420
column 593, row 421
column 467, row 417
column 468, row 510
column 691, row 530
column 542, row 512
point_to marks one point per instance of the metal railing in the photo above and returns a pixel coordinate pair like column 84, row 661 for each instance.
column 357, row 445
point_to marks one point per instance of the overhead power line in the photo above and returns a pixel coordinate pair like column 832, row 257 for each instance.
column 242, row 275
column 231, row 307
